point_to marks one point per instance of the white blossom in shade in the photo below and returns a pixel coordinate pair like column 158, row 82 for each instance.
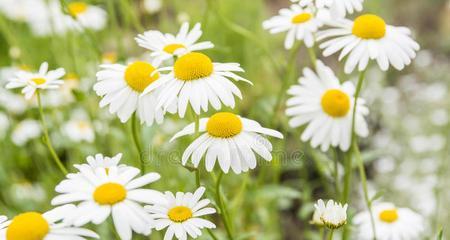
column 79, row 130
column 47, row 226
column 332, row 214
column 153, row 6
column 26, row 131
column 366, row 38
column 30, row 82
column 88, row 16
column 182, row 214
column 391, row 223
column 196, row 81
column 166, row 46
column 113, row 191
column 337, row 8
column 326, row 106
column 229, row 139
column 300, row 23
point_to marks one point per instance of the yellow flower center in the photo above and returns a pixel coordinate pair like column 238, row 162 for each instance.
column 369, row 26
column 193, row 66
column 389, row 215
column 224, row 125
column 38, row 81
column 109, row 57
column 335, row 103
column 76, row 8
column 171, row 48
column 180, row 214
column 110, row 194
column 28, row 226
column 139, row 75
column 71, row 76
column 301, row 18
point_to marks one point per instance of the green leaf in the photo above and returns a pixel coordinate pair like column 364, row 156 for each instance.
column 440, row 236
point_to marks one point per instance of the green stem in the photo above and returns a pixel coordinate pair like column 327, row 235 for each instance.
column 47, row 140
column 136, row 140
column 312, row 57
column 221, row 205
column 213, row 236
column 336, row 172
column 330, row 237
column 196, row 134
column 321, row 233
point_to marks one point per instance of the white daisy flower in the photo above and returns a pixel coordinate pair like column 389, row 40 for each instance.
column 300, row 23
column 104, row 192
column 391, row 223
column 25, row 131
column 369, row 38
column 88, row 16
column 79, row 130
column 326, row 105
column 166, row 46
column 43, row 79
column 100, row 161
column 196, row 80
column 46, row 226
column 316, row 220
column 181, row 214
column 332, row 214
column 230, row 139
column 337, row 8
column 120, row 87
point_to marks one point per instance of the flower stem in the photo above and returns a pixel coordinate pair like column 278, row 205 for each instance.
column 330, row 236
column 197, row 132
column 47, row 141
column 220, row 203
column 136, row 141
column 312, row 57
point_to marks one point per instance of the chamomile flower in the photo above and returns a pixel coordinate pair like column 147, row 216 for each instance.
column 121, row 87
column 326, row 105
column 166, row 46
column 100, row 161
column 88, row 16
column 79, row 130
column 46, row 226
column 332, row 214
column 25, row 131
column 229, row 139
column 391, row 223
column 104, row 192
column 300, row 23
column 366, row 38
column 30, row 82
column 181, row 214
column 337, row 8
column 194, row 79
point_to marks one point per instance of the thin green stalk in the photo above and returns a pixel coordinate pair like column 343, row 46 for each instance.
column 321, row 233
column 115, row 27
column 47, row 140
column 136, row 140
column 213, row 236
column 312, row 57
column 336, row 172
column 330, row 236
column 221, row 206
column 196, row 134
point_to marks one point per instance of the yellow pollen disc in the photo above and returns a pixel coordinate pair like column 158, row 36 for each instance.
column 389, row 215
column 139, row 75
column 110, row 194
column 301, row 18
column 369, row 26
column 335, row 103
column 171, row 48
column 224, row 125
column 193, row 66
column 28, row 226
column 71, row 76
column 180, row 214
column 38, row 81
column 76, row 8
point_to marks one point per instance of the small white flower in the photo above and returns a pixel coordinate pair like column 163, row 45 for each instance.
column 391, row 223
column 229, row 139
column 152, row 6
column 79, row 130
column 181, row 214
column 166, row 46
column 366, row 38
column 300, row 23
column 337, row 8
column 105, row 162
column 46, row 226
column 25, row 131
column 88, row 16
column 316, row 220
column 43, row 79
column 196, row 81
column 113, row 191
column 333, row 214
column 326, row 106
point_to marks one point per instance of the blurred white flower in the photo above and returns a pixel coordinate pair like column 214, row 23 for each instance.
column 25, row 131
column 183, row 17
column 421, row 144
column 79, row 130
column 182, row 214
column 28, row 191
column 18, row 10
column 439, row 117
column 4, row 124
column 385, row 165
column 316, row 220
column 88, row 16
column 366, row 38
column 391, row 223
column 333, row 214
column 424, row 58
column 152, row 6
column 338, row 8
